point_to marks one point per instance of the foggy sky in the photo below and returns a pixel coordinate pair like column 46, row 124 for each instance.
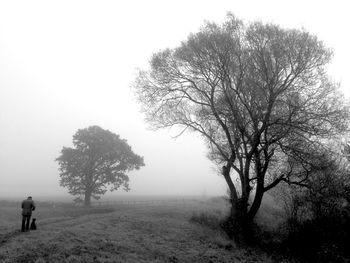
column 66, row 65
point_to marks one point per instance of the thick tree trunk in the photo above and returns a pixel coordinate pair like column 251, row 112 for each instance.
column 87, row 199
column 234, row 223
column 259, row 193
column 239, row 223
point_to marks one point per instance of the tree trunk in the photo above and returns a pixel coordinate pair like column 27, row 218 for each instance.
column 239, row 223
column 87, row 199
column 259, row 193
column 233, row 224
column 236, row 225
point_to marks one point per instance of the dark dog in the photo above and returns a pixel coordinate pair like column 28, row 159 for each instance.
column 33, row 224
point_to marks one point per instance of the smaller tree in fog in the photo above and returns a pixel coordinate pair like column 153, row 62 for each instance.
column 99, row 161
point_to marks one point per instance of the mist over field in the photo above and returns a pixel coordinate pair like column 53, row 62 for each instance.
column 69, row 65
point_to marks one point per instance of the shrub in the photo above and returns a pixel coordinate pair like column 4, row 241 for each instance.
column 322, row 239
column 207, row 219
column 318, row 223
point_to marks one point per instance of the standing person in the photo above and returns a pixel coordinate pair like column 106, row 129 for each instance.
column 27, row 207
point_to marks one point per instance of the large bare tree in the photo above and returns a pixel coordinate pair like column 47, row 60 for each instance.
column 257, row 93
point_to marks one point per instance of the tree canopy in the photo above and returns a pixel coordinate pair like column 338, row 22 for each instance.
column 258, row 94
column 100, row 160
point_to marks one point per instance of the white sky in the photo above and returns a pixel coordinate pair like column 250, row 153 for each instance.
column 66, row 65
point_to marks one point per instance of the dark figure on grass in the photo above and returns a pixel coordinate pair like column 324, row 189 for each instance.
column 27, row 207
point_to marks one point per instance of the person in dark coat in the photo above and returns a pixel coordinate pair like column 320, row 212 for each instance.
column 27, row 207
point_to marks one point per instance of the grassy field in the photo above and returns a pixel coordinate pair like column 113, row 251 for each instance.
column 120, row 233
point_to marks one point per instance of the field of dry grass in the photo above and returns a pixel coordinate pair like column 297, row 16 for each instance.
column 122, row 233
